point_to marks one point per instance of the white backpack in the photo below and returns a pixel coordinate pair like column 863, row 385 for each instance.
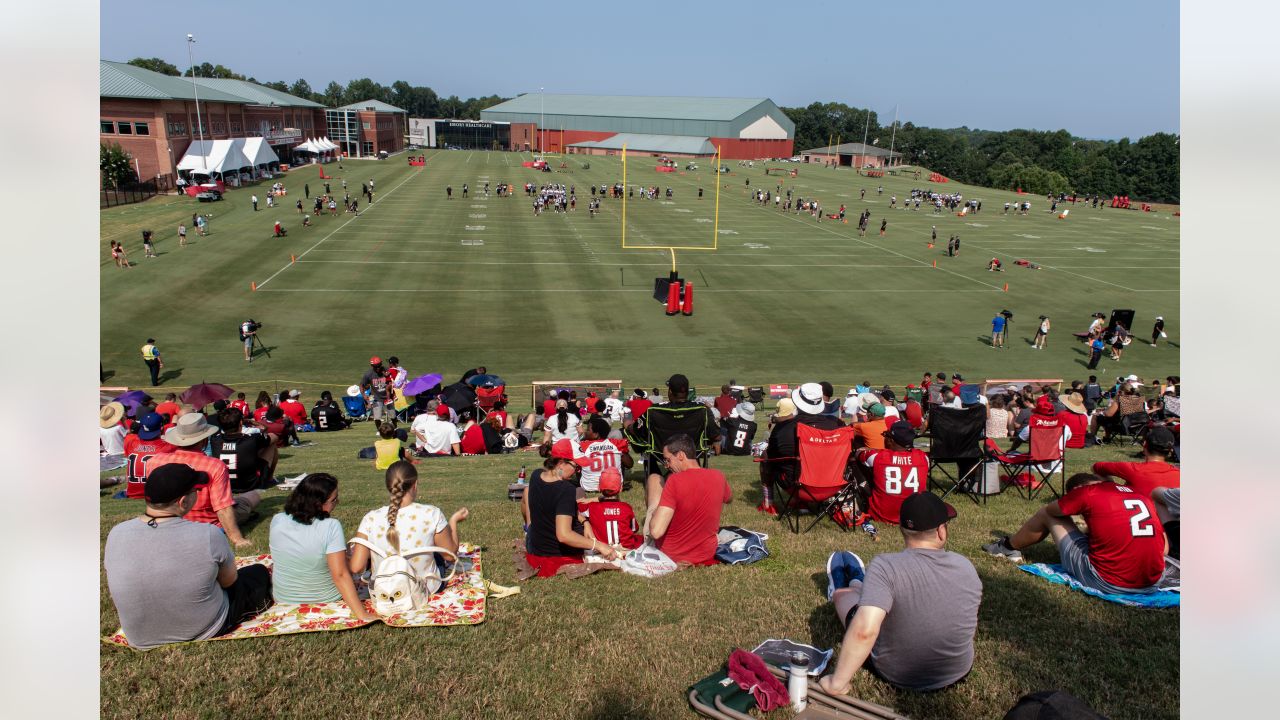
column 396, row 587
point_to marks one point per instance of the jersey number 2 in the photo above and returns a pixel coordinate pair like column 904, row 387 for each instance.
column 1136, row 526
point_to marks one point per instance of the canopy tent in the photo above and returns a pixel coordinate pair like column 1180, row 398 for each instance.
column 258, row 151
column 210, row 157
column 327, row 144
column 309, row 146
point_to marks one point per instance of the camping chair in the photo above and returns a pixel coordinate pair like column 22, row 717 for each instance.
column 356, row 409
column 662, row 422
column 756, row 396
column 1045, row 457
column 486, row 397
column 824, row 482
column 956, row 436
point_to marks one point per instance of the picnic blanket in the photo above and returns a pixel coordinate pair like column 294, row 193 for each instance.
column 1057, row 575
column 461, row 602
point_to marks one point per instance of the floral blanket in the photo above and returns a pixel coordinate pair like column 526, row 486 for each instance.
column 461, row 602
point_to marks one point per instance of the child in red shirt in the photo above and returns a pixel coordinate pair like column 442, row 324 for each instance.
column 612, row 520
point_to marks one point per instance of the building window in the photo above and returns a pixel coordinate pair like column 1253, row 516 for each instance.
column 235, row 126
column 141, row 129
column 368, row 148
column 366, row 126
column 177, row 128
column 108, row 127
column 124, row 128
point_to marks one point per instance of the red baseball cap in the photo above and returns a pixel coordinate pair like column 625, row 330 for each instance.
column 442, row 410
column 610, row 481
column 564, row 449
column 375, row 360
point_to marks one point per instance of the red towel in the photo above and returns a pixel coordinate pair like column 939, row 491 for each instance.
column 751, row 674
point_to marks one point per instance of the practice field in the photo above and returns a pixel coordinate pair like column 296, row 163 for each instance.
column 450, row 284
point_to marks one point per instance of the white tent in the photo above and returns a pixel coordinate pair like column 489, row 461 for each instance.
column 258, row 151
column 328, row 144
column 215, row 156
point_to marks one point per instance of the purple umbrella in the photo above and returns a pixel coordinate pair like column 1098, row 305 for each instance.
column 131, row 400
column 422, row 384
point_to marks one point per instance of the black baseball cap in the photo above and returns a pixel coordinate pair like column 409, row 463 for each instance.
column 924, row 511
column 678, row 382
column 902, row 433
column 171, row 482
column 1161, row 438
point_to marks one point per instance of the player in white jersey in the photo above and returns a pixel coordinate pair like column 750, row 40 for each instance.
column 598, row 452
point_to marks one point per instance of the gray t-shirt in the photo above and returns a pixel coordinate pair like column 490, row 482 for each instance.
column 931, row 599
column 164, row 580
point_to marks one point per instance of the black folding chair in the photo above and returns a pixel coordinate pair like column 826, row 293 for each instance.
column 756, row 395
column 957, row 436
column 661, row 422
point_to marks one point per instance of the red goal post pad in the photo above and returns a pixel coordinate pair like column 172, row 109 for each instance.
column 601, row 388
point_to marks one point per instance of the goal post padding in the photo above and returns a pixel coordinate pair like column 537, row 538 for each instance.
column 601, row 388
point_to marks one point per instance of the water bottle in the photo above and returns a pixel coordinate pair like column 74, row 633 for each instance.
column 798, row 681
column 520, row 477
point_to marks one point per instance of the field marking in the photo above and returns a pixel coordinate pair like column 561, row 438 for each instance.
column 647, row 291
column 596, row 262
column 335, row 230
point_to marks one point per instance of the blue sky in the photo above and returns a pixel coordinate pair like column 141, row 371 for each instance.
column 1097, row 69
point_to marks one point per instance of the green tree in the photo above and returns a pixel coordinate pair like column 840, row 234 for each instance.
column 113, row 163
column 205, row 70
column 332, row 95
column 301, row 88
column 155, row 64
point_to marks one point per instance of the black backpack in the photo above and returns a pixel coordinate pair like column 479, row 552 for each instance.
column 1052, row 705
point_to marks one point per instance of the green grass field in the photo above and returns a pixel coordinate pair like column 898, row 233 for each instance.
column 556, row 296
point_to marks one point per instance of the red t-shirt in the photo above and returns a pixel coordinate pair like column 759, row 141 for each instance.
column 240, row 405
column 500, row 414
column 294, row 411
column 548, row 407
column 1143, row 477
column 1079, row 425
column 725, row 405
column 896, row 475
column 210, row 499
column 260, row 413
column 914, row 414
column 472, row 442
column 169, row 408
column 138, row 453
column 613, row 522
column 638, row 406
column 1126, row 540
column 696, row 498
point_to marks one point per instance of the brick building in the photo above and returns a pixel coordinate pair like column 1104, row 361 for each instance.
column 743, row 128
column 367, row 128
column 153, row 116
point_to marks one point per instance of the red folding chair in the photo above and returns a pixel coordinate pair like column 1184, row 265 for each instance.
column 1046, row 456
column 824, row 482
column 486, row 398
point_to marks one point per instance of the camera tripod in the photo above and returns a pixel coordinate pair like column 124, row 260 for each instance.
column 257, row 342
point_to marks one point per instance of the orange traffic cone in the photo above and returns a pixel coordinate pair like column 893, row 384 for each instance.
column 253, row 286
column 935, row 263
column 688, row 299
column 673, row 298
column 292, row 259
column 1006, row 287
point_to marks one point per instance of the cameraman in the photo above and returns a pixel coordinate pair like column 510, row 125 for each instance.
column 249, row 331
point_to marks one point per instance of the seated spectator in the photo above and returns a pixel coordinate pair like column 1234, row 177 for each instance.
column 830, row 405
column 598, row 453
column 910, row 616
column 870, row 433
column 215, row 503
column 435, row 434
column 404, row 524
column 139, row 447
column 555, row 535
column 309, row 549
column 638, row 403
column 280, row 427
column 493, row 433
column 1170, row 403
column 1075, row 418
column 173, row 580
column 260, row 406
column 613, row 407
column 1153, row 472
column 912, row 411
column 999, row 419
column 782, row 451
column 851, row 406
column 612, row 521
column 472, row 440
column 250, row 458
column 388, row 448
column 687, row 518
column 1168, row 503
column 326, row 415
column 897, row 472
column 111, row 430
column 1044, row 416
column 170, row 407
column 561, row 424
column 293, row 407
column 1124, row 550
column 655, row 428
column 499, row 412
column 243, row 406
column 1127, row 402
column 739, row 430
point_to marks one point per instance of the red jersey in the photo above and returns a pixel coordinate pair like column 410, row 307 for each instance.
column 638, row 407
column 613, row 522
column 137, row 453
column 169, row 408
column 211, row 498
column 260, row 413
column 294, row 411
column 603, row 454
column 914, row 414
column 896, row 474
column 725, row 405
column 1126, row 540
column 548, row 407
column 472, row 442
column 1143, row 477
column 1079, row 426
column 695, row 498
column 242, row 406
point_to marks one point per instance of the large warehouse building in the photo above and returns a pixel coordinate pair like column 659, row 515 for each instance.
column 743, row 128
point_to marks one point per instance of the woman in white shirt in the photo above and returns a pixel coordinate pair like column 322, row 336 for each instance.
column 562, row 425
column 1042, row 333
column 404, row 524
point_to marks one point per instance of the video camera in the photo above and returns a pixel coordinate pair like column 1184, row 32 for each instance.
column 246, row 327
column 253, row 324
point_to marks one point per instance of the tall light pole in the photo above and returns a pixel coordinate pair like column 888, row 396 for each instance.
column 542, row 120
column 204, row 155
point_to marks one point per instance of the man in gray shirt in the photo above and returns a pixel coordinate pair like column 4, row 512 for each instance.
column 910, row 616
column 173, row 580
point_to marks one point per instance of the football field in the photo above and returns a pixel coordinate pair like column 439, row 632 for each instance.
column 448, row 284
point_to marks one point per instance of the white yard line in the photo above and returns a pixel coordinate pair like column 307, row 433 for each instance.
column 792, row 291
column 597, row 262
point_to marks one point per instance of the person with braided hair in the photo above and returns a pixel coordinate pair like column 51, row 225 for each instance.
column 404, row 524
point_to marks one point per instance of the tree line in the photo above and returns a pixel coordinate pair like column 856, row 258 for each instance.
column 1039, row 162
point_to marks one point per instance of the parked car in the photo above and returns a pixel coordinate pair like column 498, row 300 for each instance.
column 208, row 196
column 796, row 158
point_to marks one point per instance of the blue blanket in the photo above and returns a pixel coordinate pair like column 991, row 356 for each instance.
column 1056, row 574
